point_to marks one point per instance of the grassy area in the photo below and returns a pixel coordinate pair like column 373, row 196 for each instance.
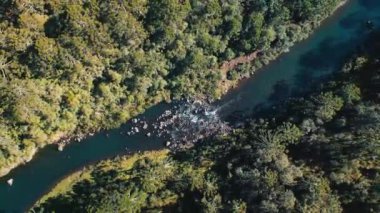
column 65, row 186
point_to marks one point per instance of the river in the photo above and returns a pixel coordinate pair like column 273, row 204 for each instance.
column 290, row 74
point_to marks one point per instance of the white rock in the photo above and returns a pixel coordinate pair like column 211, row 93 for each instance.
column 10, row 182
column 60, row 147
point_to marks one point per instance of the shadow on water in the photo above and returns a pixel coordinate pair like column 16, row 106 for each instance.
column 329, row 57
column 359, row 22
column 372, row 14
column 369, row 4
column 311, row 63
column 326, row 57
column 280, row 90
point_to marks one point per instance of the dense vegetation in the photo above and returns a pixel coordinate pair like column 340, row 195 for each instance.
column 71, row 67
column 319, row 153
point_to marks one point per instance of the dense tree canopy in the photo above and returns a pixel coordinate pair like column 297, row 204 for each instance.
column 70, row 67
column 317, row 153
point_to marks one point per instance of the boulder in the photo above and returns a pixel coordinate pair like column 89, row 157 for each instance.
column 10, row 182
column 60, row 147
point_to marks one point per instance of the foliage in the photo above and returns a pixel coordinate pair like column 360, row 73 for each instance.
column 71, row 67
column 319, row 153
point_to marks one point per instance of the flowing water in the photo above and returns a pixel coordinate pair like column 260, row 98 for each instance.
column 291, row 73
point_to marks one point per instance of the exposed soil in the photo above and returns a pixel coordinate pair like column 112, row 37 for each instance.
column 226, row 84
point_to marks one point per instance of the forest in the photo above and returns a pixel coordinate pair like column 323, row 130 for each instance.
column 315, row 153
column 73, row 67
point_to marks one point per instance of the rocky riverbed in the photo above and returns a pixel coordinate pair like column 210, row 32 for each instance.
column 185, row 124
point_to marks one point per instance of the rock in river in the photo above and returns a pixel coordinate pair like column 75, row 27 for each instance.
column 10, row 182
column 60, row 147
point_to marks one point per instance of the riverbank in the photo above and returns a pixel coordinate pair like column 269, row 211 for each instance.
column 243, row 70
column 126, row 162
column 242, row 67
column 231, row 83
column 62, row 140
column 315, row 149
column 303, row 64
